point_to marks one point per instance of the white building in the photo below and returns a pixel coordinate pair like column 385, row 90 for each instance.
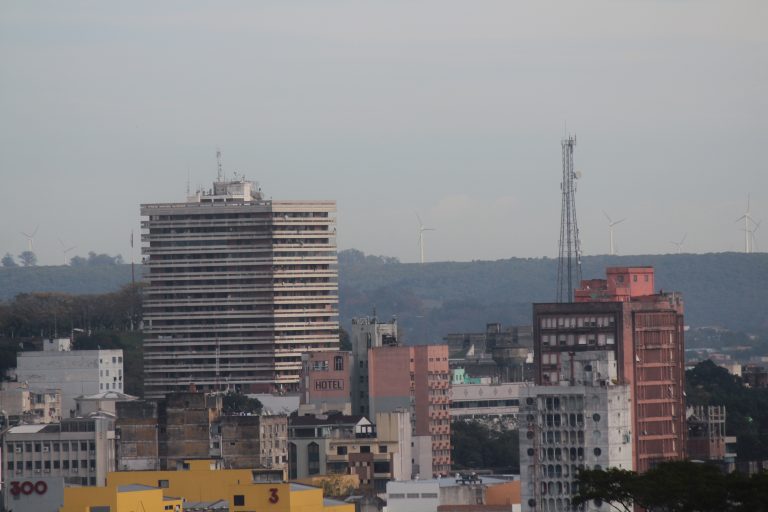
column 428, row 495
column 78, row 451
column 74, row 372
column 584, row 422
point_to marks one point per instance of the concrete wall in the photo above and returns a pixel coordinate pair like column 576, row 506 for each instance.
column 138, row 429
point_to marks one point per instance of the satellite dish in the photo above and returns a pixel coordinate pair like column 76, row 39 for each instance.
column 577, row 174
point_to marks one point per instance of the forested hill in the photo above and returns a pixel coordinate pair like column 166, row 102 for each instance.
column 430, row 300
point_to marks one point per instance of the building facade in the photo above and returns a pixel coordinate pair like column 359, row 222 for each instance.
column 583, row 421
column 20, row 404
column 77, row 451
column 74, row 372
column 340, row 444
column 483, row 400
column 644, row 331
column 273, row 441
column 238, row 287
column 163, row 434
column 364, row 334
column 325, row 378
column 206, row 485
column 416, row 378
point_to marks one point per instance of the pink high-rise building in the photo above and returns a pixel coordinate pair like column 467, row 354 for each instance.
column 416, row 378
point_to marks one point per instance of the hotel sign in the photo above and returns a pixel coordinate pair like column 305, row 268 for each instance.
column 329, row 385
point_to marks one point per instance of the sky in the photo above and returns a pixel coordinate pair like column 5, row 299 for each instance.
column 450, row 110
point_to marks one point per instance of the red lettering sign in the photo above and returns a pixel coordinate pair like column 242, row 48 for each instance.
column 28, row 487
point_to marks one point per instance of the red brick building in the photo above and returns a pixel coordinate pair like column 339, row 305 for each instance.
column 415, row 378
column 644, row 330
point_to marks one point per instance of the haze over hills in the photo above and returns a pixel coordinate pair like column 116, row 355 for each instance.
column 431, row 300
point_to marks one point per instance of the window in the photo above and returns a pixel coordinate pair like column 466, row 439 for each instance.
column 338, row 363
column 382, row 448
column 163, row 484
column 365, row 449
column 341, row 450
column 238, row 500
column 313, row 458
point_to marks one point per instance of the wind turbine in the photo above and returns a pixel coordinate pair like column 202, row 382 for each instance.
column 65, row 250
column 422, row 229
column 611, row 224
column 679, row 244
column 747, row 218
column 752, row 233
column 31, row 238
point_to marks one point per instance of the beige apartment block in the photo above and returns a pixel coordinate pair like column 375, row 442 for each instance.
column 238, row 287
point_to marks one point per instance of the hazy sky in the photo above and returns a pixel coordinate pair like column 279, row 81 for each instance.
column 452, row 109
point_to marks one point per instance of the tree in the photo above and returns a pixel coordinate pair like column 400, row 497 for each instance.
column 674, row 486
column 237, row 403
column 344, row 341
column 8, row 261
column 28, row 259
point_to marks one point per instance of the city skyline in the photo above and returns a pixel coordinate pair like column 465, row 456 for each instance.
column 391, row 111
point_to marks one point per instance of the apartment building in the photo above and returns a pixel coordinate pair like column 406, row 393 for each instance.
column 643, row 329
column 238, row 287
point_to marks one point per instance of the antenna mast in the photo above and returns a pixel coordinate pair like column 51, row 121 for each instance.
column 218, row 163
column 569, row 255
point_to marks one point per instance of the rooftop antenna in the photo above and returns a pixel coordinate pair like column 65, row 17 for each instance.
column 679, row 244
column 422, row 229
column 64, row 250
column 218, row 163
column 188, row 178
column 611, row 224
column 31, row 238
column 569, row 253
column 747, row 218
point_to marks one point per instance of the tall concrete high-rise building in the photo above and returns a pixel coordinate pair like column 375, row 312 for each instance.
column 238, row 287
column 643, row 329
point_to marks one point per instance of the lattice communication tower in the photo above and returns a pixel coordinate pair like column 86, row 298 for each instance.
column 569, row 255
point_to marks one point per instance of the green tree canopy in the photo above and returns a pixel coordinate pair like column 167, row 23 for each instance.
column 675, row 486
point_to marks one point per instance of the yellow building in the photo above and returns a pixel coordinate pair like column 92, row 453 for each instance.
column 127, row 498
column 202, row 481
